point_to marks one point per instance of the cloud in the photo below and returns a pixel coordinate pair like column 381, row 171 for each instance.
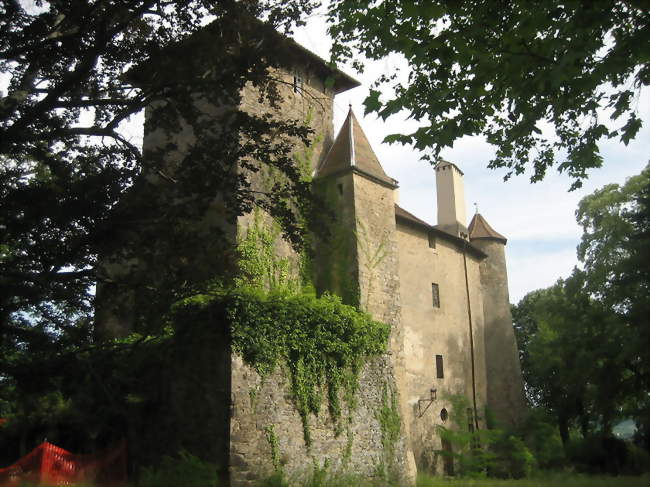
column 538, row 219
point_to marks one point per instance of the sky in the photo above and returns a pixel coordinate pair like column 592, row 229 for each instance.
column 538, row 219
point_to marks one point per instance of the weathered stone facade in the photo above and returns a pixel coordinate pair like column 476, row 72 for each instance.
column 443, row 292
column 266, row 431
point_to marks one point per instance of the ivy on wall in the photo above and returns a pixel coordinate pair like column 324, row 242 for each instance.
column 336, row 261
column 390, row 424
column 321, row 342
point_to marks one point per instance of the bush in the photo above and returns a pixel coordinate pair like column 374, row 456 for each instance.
column 541, row 436
column 186, row 470
column 512, row 458
column 598, row 454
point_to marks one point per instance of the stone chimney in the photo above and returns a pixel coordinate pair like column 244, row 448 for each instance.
column 451, row 199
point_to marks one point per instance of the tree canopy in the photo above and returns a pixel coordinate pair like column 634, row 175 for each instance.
column 532, row 76
column 71, row 182
column 583, row 341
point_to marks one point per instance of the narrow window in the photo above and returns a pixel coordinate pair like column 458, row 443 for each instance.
column 432, row 241
column 340, row 186
column 435, row 292
column 440, row 372
column 297, row 83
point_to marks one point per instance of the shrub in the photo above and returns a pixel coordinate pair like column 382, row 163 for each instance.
column 186, row 470
column 512, row 458
column 541, row 436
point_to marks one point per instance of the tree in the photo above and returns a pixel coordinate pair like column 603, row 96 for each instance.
column 583, row 341
column 529, row 75
column 571, row 356
column 614, row 250
column 72, row 184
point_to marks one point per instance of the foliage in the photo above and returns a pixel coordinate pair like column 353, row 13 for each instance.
column 540, row 433
column 142, row 388
column 548, row 480
column 272, row 439
column 258, row 263
column 471, row 458
column 582, row 341
column 529, row 75
column 336, row 260
column 614, row 250
column 571, row 355
column 75, row 185
column 390, row 423
column 186, row 470
column 322, row 342
column 483, row 452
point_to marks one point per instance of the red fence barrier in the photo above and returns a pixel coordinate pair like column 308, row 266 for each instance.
column 48, row 464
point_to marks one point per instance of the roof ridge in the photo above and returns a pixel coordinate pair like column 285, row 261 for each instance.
column 352, row 150
column 479, row 228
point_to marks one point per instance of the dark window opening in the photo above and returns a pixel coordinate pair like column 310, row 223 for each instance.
column 432, row 241
column 340, row 186
column 444, row 415
column 435, row 291
column 297, row 83
column 440, row 373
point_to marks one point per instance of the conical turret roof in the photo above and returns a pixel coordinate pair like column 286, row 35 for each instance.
column 481, row 229
column 351, row 150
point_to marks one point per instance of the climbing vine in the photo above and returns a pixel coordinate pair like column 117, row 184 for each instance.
column 372, row 255
column 336, row 256
column 390, row 424
column 274, row 444
column 258, row 263
column 321, row 342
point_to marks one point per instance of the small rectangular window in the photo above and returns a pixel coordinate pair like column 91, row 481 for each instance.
column 435, row 292
column 440, row 373
column 297, row 83
column 340, row 187
column 432, row 241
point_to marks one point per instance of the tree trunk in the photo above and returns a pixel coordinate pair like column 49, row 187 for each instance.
column 563, row 425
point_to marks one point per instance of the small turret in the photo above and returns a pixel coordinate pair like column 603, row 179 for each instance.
column 505, row 397
column 360, row 256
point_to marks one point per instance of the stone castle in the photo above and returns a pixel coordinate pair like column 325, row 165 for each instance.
column 442, row 288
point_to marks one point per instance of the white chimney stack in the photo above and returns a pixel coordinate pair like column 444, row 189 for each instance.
column 451, row 199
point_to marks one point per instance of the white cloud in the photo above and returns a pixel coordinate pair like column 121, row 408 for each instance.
column 538, row 217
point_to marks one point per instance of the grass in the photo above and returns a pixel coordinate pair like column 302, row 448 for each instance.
column 547, row 480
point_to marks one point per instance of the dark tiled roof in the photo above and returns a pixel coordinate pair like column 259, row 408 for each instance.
column 351, row 150
column 404, row 216
column 480, row 229
column 211, row 40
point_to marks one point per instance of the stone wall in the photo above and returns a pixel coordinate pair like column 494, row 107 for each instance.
column 379, row 279
column 263, row 414
column 505, row 396
column 431, row 331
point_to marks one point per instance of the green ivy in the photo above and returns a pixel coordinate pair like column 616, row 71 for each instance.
column 258, row 264
column 390, row 423
column 320, row 341
column 272, row 438
column 337, row 263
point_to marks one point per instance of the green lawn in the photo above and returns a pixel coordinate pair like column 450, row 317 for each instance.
column 564, row 480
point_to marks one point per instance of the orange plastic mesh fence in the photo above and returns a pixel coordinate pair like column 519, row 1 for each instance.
column 50, row 465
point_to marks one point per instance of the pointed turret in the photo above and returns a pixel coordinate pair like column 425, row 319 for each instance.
column 481, row 229
column 359, row 259
column 505, row 397
column 351, row 151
